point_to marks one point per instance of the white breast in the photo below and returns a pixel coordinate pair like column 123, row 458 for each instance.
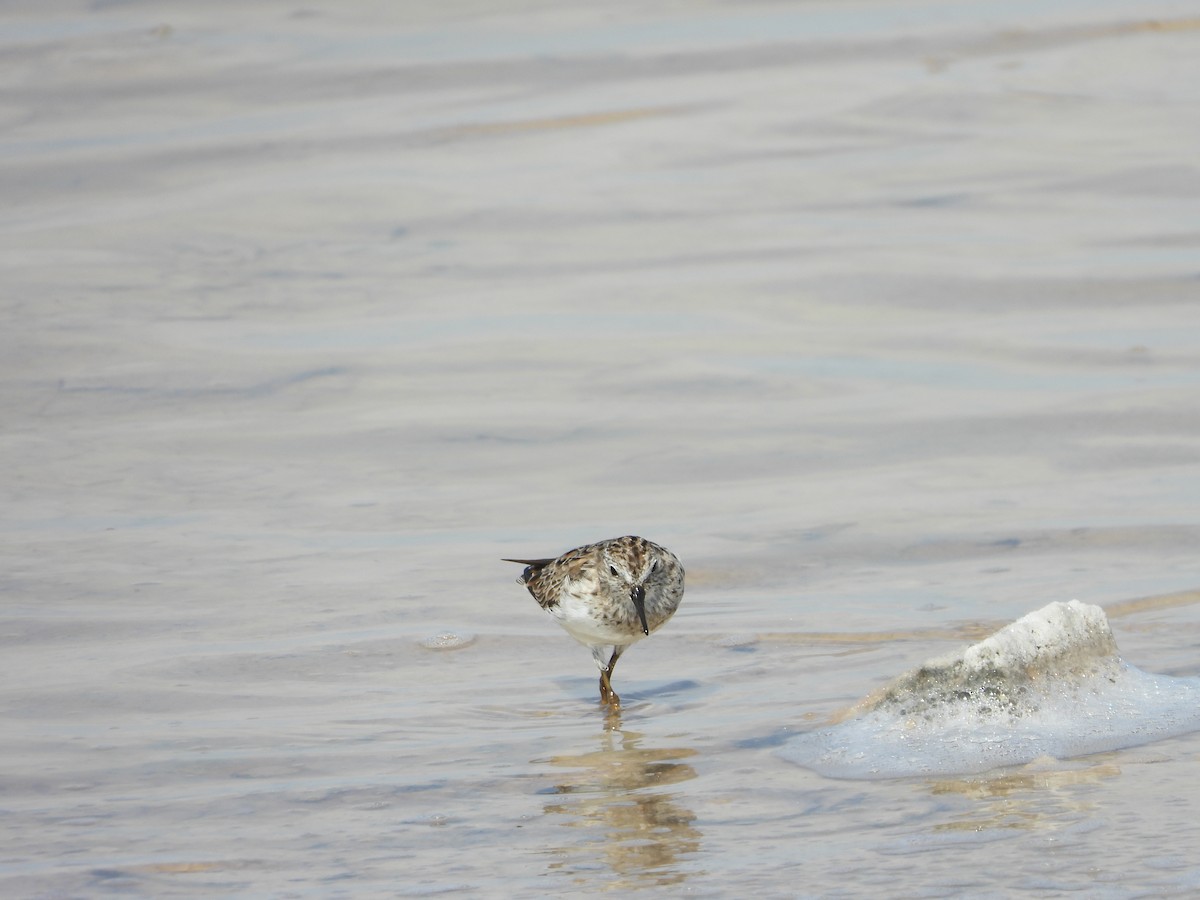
column 578, row 615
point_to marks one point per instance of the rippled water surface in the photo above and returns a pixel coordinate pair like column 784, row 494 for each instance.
column 884, row 317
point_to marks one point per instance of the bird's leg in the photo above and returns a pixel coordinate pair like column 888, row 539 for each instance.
column 607, row 695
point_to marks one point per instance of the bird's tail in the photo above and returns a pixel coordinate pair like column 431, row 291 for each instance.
column 532, row 567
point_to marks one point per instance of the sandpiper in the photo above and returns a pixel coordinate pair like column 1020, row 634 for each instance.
column 607, row 596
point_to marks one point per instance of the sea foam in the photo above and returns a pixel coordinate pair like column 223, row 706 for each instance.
column 1050, row 684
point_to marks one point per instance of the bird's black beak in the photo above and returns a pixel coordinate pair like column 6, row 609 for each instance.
column 639, row 603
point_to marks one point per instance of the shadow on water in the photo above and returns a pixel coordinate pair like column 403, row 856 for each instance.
column 632, row 826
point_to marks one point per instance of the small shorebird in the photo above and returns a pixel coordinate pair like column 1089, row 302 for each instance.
column 607, row 596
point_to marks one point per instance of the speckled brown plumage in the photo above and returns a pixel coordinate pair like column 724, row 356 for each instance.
column 607, row 595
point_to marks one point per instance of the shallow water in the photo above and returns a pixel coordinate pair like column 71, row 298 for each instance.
column 885, row 319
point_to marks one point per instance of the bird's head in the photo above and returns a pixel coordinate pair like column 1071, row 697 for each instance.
column 630, row 572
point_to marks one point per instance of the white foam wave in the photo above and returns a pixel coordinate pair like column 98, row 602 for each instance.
column 1050, row 684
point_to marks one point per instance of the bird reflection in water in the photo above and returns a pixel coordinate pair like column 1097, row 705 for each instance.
column 619, row 793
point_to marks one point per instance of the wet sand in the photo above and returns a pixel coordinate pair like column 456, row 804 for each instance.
column 885, row 318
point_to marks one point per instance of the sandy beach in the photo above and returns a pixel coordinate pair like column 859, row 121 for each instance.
column 884, row 317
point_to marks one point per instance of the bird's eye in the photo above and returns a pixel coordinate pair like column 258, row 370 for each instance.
column 613, row 569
